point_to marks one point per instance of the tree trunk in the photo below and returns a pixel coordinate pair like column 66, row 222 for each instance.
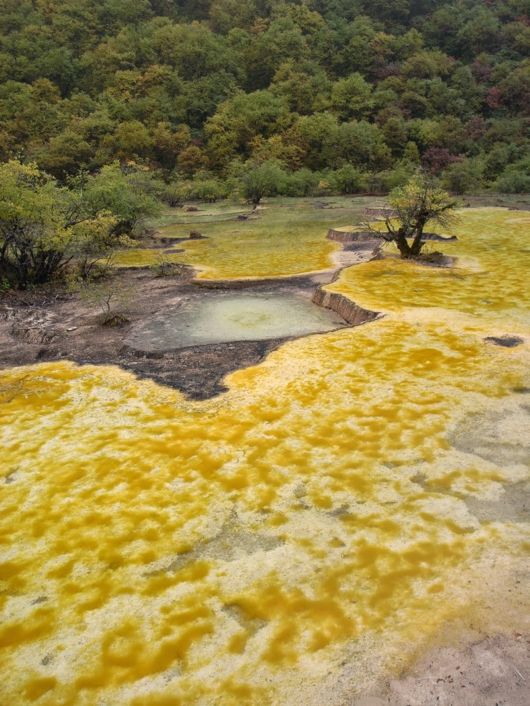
column 418, row 242
column 402, row 244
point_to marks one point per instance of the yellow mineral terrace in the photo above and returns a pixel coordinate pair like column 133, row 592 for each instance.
column 290, row 540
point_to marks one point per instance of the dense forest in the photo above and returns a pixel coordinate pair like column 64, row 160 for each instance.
column 339, row 95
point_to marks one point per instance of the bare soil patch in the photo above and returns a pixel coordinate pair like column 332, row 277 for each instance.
column 38, row 327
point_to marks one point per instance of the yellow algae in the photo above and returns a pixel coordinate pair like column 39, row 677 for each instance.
column 38, row 623
column 490, row 278
column 238, row 642
column 37, row 687
column 242, row 692
column 287, row 238
column 330, row 470
column 158, row 700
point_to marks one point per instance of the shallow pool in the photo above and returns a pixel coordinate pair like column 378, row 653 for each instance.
column 219, row 317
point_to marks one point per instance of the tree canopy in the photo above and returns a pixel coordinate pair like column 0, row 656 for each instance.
column 414, row 205
column 196, row 89
column 45, row 225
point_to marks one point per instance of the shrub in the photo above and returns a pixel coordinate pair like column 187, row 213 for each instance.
column 463, row 176
column 44, row 226
column 515, row 179
column 300, row 183
column 130, row 196
column 206, row 188
column 112, row 297
column 385, row 181
column 265, row 179
column 210, row 190
column 347, row 180
column 172, row 194
column 164, row 267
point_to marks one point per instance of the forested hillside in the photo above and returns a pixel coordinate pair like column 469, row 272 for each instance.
column 348, row 95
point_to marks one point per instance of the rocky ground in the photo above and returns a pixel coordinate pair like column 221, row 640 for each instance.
column 46, row 326
column 36, row 328
column 491, row 671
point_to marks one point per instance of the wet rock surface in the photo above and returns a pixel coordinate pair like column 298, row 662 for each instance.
column 154, row 343
column 505, row 341
column 499, row 437
column 38, row 329
column 213, row 317
column 490, row 672
column 198, row 371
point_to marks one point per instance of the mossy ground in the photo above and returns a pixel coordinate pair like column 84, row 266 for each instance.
column 286, row 238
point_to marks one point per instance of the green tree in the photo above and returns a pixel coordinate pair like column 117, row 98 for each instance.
column 411, row 153
column 347, row 180
column 281, row 41
column 207, row 189
column 65, row 154
column 419, row 202
column 131, row 196
column 515, row 179
column 238, row 121
column 463, row 176
column 227, row 14
column 303, row 84
column 131, row 140
column 83, row 83
column 300, row 183
column 42, row 225
column 352, row 97
column 317, row 136
column 363, row 144
column 261, row 180
column 396, row 134
column 192, row 159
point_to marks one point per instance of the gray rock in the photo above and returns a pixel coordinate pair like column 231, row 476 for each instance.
column 505, row 341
